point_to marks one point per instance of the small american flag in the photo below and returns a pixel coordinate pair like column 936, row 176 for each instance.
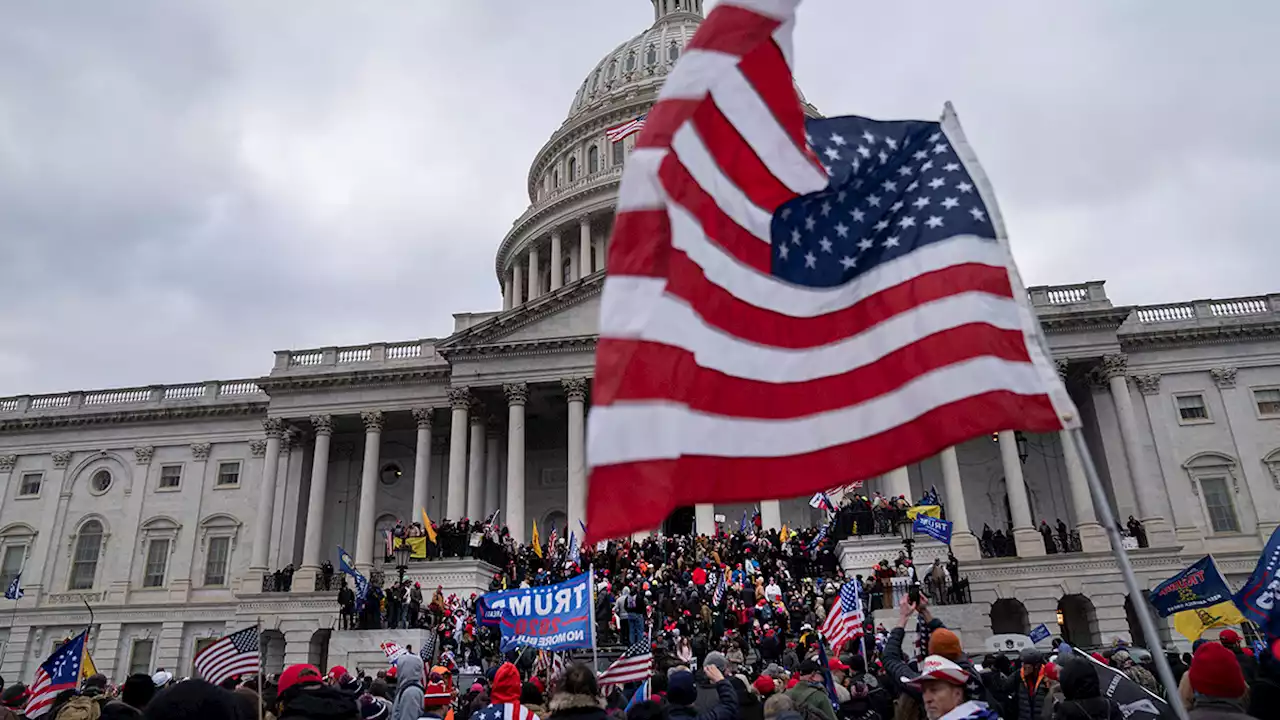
column 844, row 620
column 14, row 591
column 787, row 311
column 718, row 596
column 548, row 664
column 231, row 656
column 635, row 665
column 630, row 127
column 61, row 671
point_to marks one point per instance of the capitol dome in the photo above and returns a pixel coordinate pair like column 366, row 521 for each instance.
column 573, row 180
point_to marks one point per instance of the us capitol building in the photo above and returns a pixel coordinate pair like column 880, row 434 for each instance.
column 164, row 507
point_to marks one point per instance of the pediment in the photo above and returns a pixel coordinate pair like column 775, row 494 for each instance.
column 568, row 315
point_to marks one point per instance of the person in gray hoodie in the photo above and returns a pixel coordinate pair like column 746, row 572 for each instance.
column 409, row 688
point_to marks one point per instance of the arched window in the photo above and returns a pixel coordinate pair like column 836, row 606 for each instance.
column 573, row 169
column 613, row 69
column 84, row 562
column 631, row 61
column 593, row 159
column 555, row 178
column 673, row 51
column 651, row 56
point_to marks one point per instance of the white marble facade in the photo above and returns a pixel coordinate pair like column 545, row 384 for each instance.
column 163, row 506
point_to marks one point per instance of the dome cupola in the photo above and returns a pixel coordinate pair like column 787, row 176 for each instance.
column 663, row 8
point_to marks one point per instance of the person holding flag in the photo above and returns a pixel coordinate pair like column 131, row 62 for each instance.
column 59, row 672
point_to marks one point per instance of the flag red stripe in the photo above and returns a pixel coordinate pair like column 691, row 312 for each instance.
column 743, row 479
column 737, row 159
column 733, row 30
column 653, row 370
column 726, row 312
column 767, row 70
column 718, row 226
column 664, row 119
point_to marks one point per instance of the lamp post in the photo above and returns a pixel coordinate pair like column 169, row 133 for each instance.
column 907, row 531
column 402, row 560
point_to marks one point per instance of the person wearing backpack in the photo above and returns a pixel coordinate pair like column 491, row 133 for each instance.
column 810, row 694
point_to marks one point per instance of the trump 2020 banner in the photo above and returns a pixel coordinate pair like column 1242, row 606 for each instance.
column 1199, row 586
column 555, row 617
column 939, row 530
column 1257, row 599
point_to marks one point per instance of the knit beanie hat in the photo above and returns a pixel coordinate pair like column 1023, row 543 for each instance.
column 1214, row 672
column 945, row 643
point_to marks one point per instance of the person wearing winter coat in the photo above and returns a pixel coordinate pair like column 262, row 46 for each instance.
column 682, row 694
column 505, row 697
column 1030, row 684
column 1082, row 695
column 1218, row 683
column 810, row 692
column 577, row 696
column 409, row 688
column 943, row 687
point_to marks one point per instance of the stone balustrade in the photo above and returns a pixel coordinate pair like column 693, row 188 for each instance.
column 155, row 396
column 1211, row 310
column 329, row 357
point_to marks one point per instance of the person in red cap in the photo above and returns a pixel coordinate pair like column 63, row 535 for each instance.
column 301, row 692
column 1248, row 664
column 942, row 689
column 1218, row 684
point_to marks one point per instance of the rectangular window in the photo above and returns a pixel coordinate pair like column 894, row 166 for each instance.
column 619, row 153
column 1191, row 408
column 140, row 656
column 11, row 564
column 157, row 560
column 228, row 474
column 1217, row 502
column 215, row 561
column 30, row 486
column 1268, row 401
column 170, row 476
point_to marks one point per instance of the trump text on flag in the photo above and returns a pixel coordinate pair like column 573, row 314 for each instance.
column 556, row 617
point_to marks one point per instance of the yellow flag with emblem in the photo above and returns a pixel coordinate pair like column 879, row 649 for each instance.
column 1193, row 623
column 784, row 535
column 87, row 668
column 537, row 542
column 426, row 525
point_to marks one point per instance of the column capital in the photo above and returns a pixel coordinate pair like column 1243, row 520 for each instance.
column 584, row 221
column 142, row 455
column 372, row 420
column 200, row 451
column 61, row 458
column 273, row 427
column 423, row 417
column 574, row 388
column 7, row 462
column 517, row 393
column 1063, row 365
column 290, row 436
column 323, row 424
column 1114, row 366
column 1148, row 384
column 460, row 398
column 1224, row 377
column 476, row 414
column 257, row 448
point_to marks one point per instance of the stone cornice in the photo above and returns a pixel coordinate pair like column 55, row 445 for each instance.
column 1087, row 320
column 548, row 346
column 357, row 378
column 1186, row 335
column 523, row 227
column 490, row 332
column 73, row 418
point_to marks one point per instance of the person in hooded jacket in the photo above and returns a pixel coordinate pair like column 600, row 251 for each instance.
column 682, row 694
column 409, row 688
column 1082, row 694
column 577, row 695
column 505, row 696
column 750, row 706
column 301, row 694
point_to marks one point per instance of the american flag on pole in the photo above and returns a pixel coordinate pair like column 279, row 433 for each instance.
column 718, row 596
column 61, row 671
column 788, row 311
column 626, row 129
column 844, row 620
column 635, row 665
column 231, row 656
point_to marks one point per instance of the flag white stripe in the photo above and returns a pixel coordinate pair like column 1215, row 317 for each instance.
column 675, row 430
column 669, row 321
column 640, row 189
column 742, row 107
column 692, row 76
column 784, row 38
column 704, row 169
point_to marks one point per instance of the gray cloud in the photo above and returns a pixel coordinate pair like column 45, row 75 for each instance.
column 185, row 187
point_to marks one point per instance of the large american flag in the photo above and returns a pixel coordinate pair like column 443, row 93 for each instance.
column 61, row 671
column 844, row 620
column 231, row 656
column 635, row 665
column 785, row 313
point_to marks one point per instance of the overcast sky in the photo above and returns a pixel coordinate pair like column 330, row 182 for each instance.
column 188, row 186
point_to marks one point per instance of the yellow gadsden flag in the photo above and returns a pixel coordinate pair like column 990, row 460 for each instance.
column 1193, row 623
column 87, row 668
column 426, row 525
column 537, row 542
column 933, row 511
column 784, row 535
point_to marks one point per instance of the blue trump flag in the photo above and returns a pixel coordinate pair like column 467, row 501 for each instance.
column 1257, row 599
column 1038, row 633
column 555, row 617
column 348, row 566
column 939, row 530
column 1199, row 586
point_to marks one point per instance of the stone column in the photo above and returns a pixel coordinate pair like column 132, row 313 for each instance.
column 421, row 462
column 535, row 281
column 274, row 428
column 1092, row 537
column 506, row 293
column 1028, row 542
column 492, row 468
column 575, row 391
column 311, row 550
column 517, row 395
column 584, row 245
column 1147, row 487
column 704, row 519
column 517, row 283
column 898, row 483
column 456, row 500
column 770, row 515
column 557, row 264
column 963, row 544
column 475, row 465
column 368, row 490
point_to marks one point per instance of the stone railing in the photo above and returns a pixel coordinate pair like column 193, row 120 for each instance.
column 1069, row 297
column 291, row 360
column 593, row 180
column 1209, row 309
column 144, row 397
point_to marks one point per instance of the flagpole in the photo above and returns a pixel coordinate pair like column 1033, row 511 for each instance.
column 1136, row 594
column 591, row 578
column 261, row 664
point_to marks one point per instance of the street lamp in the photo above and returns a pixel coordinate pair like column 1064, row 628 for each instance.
column 402, row 559
column 1021, row 440
column 907, row 531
